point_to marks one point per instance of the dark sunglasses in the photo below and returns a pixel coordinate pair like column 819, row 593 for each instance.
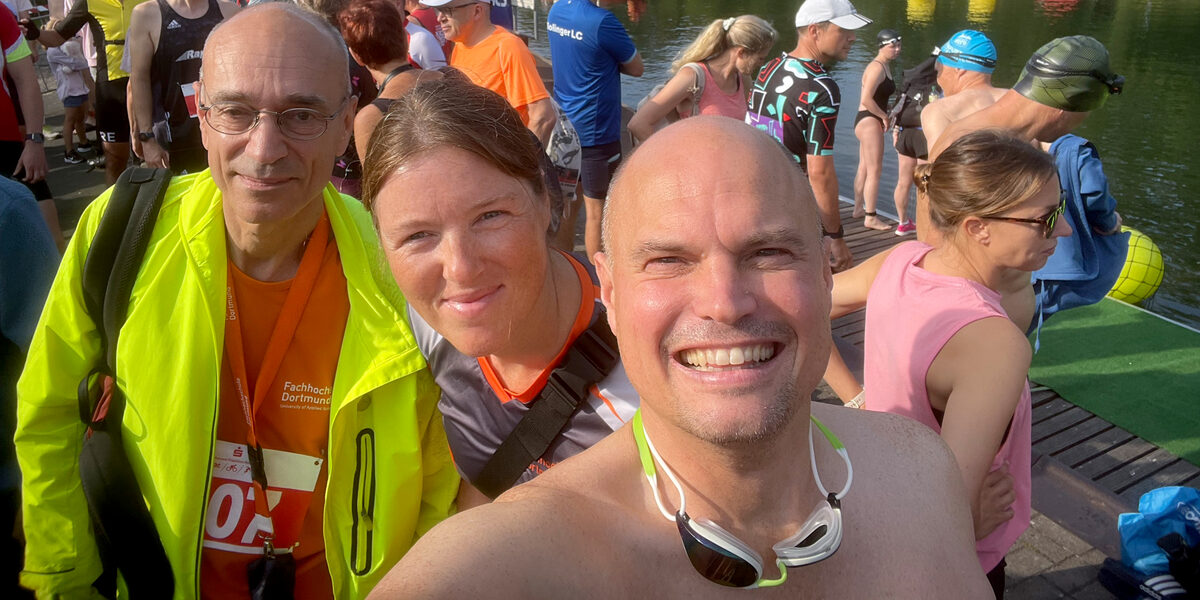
column 1047, row 222
column 722, row 558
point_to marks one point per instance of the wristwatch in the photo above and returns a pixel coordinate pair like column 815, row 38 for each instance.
column 145, row 136
column 36, row 138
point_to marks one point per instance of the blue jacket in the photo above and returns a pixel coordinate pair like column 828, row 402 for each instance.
column 1086, row 264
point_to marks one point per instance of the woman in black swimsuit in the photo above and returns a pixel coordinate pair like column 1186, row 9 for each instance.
column 869, row 125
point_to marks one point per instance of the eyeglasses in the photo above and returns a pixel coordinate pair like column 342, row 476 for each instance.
column 1047, row 222
column 724, row 559
column 235, row 118
column 449, row 10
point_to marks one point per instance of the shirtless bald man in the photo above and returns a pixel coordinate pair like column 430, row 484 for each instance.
column 718, row 291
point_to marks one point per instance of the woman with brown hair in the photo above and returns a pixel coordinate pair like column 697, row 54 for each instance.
column 940, row 347
column 495, row 309
column 374, row 33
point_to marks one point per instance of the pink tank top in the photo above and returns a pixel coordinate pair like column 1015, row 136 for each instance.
column 911, row 314
column 715, row 102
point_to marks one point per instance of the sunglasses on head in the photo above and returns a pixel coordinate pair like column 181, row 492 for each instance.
column 1047, row 221
column 722, row 558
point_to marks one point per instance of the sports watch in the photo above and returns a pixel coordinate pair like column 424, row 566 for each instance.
column 145, row 136
column 36, row 138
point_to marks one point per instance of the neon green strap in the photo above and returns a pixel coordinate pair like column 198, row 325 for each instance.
column 829, row 435
column 639, row 436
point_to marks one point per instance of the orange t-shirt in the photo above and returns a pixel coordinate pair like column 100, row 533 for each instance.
column 502, row 63
column 292, row 427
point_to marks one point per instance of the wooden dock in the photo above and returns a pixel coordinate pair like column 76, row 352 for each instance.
column 1086, row 470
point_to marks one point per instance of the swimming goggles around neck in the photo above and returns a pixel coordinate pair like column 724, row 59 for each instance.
column 724, row 559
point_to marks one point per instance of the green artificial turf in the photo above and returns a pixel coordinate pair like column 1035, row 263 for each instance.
column 1129, row 367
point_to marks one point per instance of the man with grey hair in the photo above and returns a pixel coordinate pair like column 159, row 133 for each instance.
column 717, row 289
column 251, row 426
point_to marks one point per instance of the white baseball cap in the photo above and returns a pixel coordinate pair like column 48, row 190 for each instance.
column 839, row 12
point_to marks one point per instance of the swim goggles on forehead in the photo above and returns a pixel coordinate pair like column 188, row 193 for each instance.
column 1040, row 66
column 724, row 559
column 983, row 61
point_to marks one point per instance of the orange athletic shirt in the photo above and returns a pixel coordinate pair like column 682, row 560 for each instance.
column 504, row 64
column 292, row 427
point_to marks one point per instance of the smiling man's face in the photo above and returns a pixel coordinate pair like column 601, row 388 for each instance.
column 716, row 282
column 270, row 59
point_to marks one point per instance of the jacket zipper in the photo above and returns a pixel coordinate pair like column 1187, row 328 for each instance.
column 363, row 500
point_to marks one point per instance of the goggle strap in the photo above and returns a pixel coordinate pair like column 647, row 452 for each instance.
column 839, row 448
column 648, row 455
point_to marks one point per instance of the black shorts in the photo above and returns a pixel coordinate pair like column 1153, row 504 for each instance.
column 597, row 167
column 864, row 114
column 112, row 116
column 911, row 143
column 10, row 155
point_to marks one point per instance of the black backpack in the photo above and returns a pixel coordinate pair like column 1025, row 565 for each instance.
column 125, row 533
column 918, row 88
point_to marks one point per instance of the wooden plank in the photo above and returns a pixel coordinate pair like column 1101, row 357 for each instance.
column 1050, row 409
column 1060, row 422
column 1115, row 458
column 1092, row 447
column 1042, row 396
column 1177, row 473
column 1071, row 437
column 1137, row 470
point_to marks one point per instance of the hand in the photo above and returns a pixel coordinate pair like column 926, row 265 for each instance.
column 996, row 497
column 154, row 155
column 32, row 162
column 32, row 32
column 840, row 258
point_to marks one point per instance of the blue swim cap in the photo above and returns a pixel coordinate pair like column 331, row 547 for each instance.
column 969, row 50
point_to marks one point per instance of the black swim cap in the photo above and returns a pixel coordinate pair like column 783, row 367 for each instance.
column 1071, row 74
column 887, row 36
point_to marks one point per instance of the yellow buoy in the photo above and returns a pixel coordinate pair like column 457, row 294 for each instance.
column 1143, row 271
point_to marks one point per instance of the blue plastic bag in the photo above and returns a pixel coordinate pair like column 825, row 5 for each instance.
column 1160, row 512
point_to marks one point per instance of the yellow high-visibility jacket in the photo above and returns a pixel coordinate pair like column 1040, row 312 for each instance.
column 390, row 475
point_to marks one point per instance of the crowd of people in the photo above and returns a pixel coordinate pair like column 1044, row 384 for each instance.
column 410, row 366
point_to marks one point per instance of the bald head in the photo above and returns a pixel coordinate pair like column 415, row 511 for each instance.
column 279, row 28
column 683, row 155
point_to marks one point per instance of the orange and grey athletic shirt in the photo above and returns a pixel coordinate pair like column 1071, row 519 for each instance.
column 109, row 21
column 478, row 412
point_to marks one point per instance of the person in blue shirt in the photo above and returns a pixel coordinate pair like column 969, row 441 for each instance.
column 28, row 261
column 589, row 48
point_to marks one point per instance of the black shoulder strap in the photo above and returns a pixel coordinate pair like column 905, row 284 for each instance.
column 116, row 254
column 590, row 359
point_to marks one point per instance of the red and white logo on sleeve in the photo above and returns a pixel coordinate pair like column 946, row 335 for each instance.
column 232, row 524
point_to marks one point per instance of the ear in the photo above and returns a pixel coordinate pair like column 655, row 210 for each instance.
column 348, row 120
column 977, row 229
column 604, row 274
column 204, row 129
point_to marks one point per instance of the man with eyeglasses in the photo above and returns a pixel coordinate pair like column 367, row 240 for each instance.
column 1061, row 84
column 281, row 422
column 494, row 58
column 718, row 289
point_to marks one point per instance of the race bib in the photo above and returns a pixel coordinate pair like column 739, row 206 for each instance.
column 232, row 524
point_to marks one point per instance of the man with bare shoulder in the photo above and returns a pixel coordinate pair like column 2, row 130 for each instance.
column 718, row 290
column 965, row 64
column 1060, row 85
column 165, row 44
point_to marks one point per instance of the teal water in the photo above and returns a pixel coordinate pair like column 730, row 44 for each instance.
column 1147, row 136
